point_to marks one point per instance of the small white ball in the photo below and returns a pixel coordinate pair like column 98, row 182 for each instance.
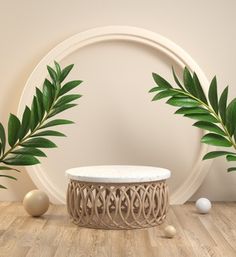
column 36, row 203
column 203, row 205
column 170, row 231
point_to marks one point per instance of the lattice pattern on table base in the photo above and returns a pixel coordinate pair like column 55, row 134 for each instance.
column 117, row 206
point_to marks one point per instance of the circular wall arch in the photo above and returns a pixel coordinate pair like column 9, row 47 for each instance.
column 124, row 33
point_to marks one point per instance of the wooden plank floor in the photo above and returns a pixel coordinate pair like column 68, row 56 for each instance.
column 54, row 235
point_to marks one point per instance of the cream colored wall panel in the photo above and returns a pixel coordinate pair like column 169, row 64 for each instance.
column 205, row 29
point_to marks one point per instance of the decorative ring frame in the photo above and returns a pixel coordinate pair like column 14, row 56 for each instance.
column 125, row 33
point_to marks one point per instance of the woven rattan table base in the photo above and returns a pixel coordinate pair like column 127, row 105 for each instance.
column 117, row 206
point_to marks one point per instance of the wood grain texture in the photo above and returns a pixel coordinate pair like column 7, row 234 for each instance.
column 53, row 235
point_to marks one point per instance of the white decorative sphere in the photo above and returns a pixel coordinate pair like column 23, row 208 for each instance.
column 203, row 205
column 36, row 203
column 170, row 231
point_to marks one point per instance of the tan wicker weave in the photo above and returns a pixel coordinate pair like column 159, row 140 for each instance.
column 117, row 206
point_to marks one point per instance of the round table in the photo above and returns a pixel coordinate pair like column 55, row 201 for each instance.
column 117, row 196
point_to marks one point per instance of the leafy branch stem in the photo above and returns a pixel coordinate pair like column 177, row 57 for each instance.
column 212, row 112
column 27, row 136
column 23, row 134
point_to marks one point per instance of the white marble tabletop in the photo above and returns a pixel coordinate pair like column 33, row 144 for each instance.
column 118, row 174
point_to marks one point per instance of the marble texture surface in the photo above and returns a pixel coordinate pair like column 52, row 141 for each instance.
column 118, row 174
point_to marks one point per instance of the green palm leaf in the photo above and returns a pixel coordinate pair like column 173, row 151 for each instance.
column 40, row 107
column 56, row 123
column 39, row 142
column 183, row 102
column 188, row 82
column 2, row 137
column 29, row 151
column 192, row 110
column 13, row 129
column 231, row 117
column 69, row 86
column 223, row 104
column 48, row 94
column 49, row 133
column 58, row 69
column 231, row 169
column 200, row 93
column 21, row 160
column 66, row 99
column 34, row 120
column 231, row 158
column 164, row 94
column 210, row 127
column 213, row 97
column 52, row 73
column 25, row 137
column 176, row 79
column 202, row 117
column 65, row 72
column 60, row 109
column 155, row 89
column 25, row 124
column 212, row 114
column 215, row 154
column 216, row 140
column 161, row 82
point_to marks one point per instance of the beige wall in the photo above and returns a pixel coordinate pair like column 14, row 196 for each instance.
column 29, row 29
